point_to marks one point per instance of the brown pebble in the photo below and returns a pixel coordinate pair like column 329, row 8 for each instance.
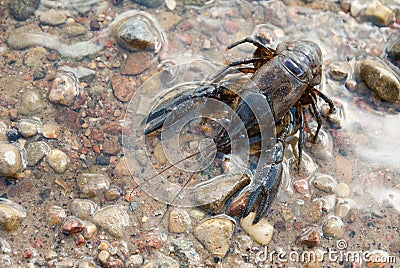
column 94, row 25
column 123, row 87
column 104, row 256
column 231, row 27
column 137, row 63
column 311, row 237
column 72, row 225
column 80, row 240
column 52, row 56
column 27, row 253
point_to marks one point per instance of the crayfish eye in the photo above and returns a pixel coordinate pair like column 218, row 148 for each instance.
column 293, row 67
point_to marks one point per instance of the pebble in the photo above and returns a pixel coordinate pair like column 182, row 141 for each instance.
column 81, row 74
column 137, row 62
column 111, row 145
column 113, row 193
column 380, row 79
column 23, row 9
column 179, row 221
column 11, row 214
column 57, row 160
column 82, row 208
column 50, row 130
column 104, row 256
column 149, row 3
column 36, row 151
column 261, row 232
column 184, row 250
column 64, row 89
column 339, row 70
column 231, row 27
column 74, row 29
column 10, row 160
column 324, row 183
column 52, row 17
column 379, row 14
column 159, row 155
column 171, row 4
column 51, row 255
column 333, row 227
column 113, row 219
column 94, row 25
column 28, row 127
column 89, row 230
column 311, row 237
column 134, row 261
column 161, row 261
column 342, row 209
column 55, row 215
column 72, row 225
column 343, row 190
column 312, row 212
column 34, row 57
column 123, row 87
column 215, row 234
column 31, row 103
column 65, row 263
column 92, row 184
column 13, row 135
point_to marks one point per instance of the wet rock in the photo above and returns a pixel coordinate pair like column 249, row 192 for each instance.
column 55, row 215
column 57, row 160
column 343, row 190
column 179, row 221
column 113, row 219
column 13, row 135
column 134, row 261
column 311, row 237
column 104, row 256
column 83, row 208
column 31, row 103
column 50, row 130
column 379, row 14
column 89, row 229
column 64, row 89
column 113, row 193
column 11, row 214
column 184, row 250
column 261, row 232
column 10, row 160
column 28, row 127
column 36, row 151
column 72, row 225
column 325, row 183
column 339, row 70
column 82, row 6
column 52, row 17
column 333, row 227
column 380, row 79
column 171, row 4
column 35, row 57
column 215, row 234
column 81, row 73
column 75, row 29
column 123, row 87
column 149, row 3
column 342, row 209
column 92, row 184
column 162, row 261
column 111, row 145
column 137, row 63
column 23, row 9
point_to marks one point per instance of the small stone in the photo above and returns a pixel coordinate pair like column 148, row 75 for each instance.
column 13, row 135
column 10, row 160
column 261, row 232
column 51, row 255
column 159, row 155
column 52, row 17
column 64, row 89
column 343, row 190
column 171, row 4
column 31, row 103
column 342, row 209
column 123, row 87
column 380, row 79
column 162, row 261
column 65, row 263
column 72, row 225
column 134, row 261
column 11, row 214
column 113, row 219
column 89, row 230
column 104, row 256
column 153, row 239
column 231, row 27
column 302, row 187
column 111, row 145
column 150, row 3
column 57, row 160
column 339, row 70
column 36, row 151
column 184, row 250
column 324, row 183
column 73, row 30
column 28, row 127
column 56, row 215
column 395, row 246
column 94, row 25
column 311, row 237
column 35, row 57
column 179, row 221
column 379, row 14
column 215, row 234
column 23, row 9
column 312, row 212
column 83, row 208
column 50, row 130
column 206, row 44
column 92, row 184
column 113, row 193
column 137, row 62
column 333, row 227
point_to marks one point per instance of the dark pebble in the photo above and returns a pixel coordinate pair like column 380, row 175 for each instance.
column 39, row 74
column 94, row 25
column 13, row 135
column 23, row 9
column 103, row 160
column 149, row 3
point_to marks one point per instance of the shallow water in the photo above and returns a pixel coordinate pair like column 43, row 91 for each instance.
column 364, row 152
